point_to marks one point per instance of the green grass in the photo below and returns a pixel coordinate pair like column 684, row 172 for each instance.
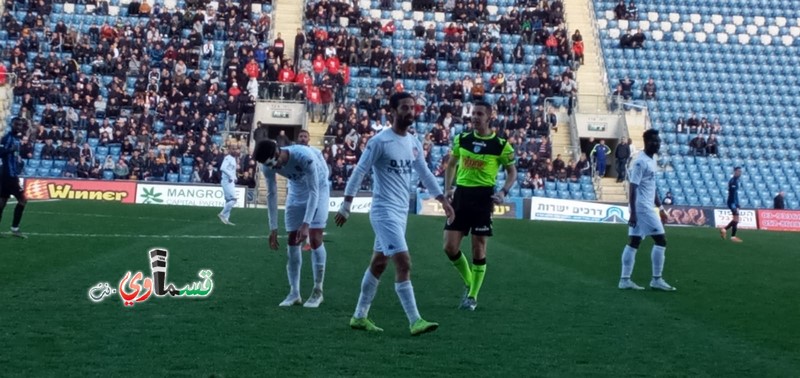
column 549, row 306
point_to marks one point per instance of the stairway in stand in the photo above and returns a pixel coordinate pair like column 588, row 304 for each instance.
column 288, row 17
column 611, row 191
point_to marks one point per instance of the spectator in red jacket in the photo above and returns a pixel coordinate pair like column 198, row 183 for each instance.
column 235, row 91
column 286, row 74
column 304, row 79
column 333, row 65
column 251, row 69
column 319, row 68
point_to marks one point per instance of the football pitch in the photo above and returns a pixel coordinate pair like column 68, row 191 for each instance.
column 549, row 305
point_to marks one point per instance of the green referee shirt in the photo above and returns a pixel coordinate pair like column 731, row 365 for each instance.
column 479, row 158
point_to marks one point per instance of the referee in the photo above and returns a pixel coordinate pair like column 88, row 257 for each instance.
column 479, row 155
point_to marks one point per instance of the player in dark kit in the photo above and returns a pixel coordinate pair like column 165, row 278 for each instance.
column 733, row 204
column 9, row 176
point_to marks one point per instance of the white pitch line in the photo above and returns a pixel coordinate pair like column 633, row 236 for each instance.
column 93, row 215
column 141, row 236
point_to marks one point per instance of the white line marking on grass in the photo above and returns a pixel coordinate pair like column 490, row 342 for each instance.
column 142, row 236
column 116, row 216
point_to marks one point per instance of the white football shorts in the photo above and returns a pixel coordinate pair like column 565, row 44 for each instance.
column 229, row 190
column 647, row 223
column 294, row 214
column 390, row 233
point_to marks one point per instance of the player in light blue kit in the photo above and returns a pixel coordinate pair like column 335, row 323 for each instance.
column 643, row 220
column 391, row 155
column 228, row 181
column 306, row 210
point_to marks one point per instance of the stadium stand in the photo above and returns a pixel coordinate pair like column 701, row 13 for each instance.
column 103, row 79
column 731, row 64
column 517, row 57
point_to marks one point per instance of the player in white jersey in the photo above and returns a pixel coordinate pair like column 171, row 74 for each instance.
column 306, row 211
column 228, row 181
column 392, row 154
column 643, row 220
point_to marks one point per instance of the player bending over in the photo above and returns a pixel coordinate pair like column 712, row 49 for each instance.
column 306, row 211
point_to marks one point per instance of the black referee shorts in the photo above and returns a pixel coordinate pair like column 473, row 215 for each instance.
column 474, row 208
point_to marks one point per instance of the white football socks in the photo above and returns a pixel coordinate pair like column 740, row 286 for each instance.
column 658, row 260
column 226, row 210
column 406, row 294
column 293, row 264
column 628, row 260
column 318, row 258
column 369, row 286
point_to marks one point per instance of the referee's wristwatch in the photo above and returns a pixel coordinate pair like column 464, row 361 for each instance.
column 505, row 192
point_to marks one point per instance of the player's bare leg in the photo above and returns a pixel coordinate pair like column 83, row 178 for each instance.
column 318, row 261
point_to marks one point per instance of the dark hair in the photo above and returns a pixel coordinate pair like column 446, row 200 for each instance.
column 649, row 134
column 264, row 150
column 394, row 101
column 482, row 103
column 303, row 131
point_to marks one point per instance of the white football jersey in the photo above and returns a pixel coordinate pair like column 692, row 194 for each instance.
column 392, row 158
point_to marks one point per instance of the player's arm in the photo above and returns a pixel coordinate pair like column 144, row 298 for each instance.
column 312, row 181
column 430, row 183
column 511, row 178
column 635, row 179
column 272, row 200
column 662, row 212
column 368, row 158
column 452, row 165
column 449, row 173
column 508, row 160
column 427, row 178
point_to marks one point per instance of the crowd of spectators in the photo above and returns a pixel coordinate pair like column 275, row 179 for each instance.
column 444, row 106
column 705, row 142
column 157, row 85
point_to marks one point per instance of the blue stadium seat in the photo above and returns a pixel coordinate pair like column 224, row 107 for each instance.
column 108, row 174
